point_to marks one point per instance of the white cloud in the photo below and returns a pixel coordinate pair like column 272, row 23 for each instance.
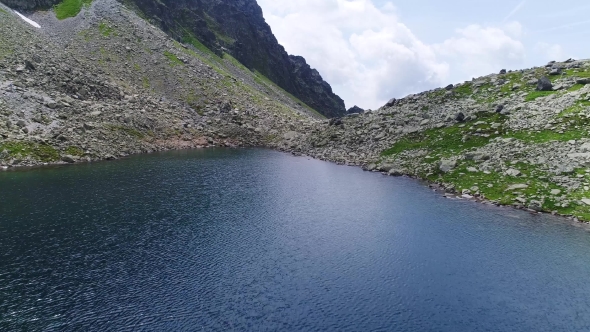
column 478, row 50
column 368, row 55
column 550, row 52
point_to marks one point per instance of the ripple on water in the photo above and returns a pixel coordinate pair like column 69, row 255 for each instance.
column 262, row 241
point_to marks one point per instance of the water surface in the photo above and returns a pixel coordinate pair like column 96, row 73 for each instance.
column 256, row 240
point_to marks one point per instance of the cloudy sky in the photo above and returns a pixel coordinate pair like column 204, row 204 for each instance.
column 374, row 50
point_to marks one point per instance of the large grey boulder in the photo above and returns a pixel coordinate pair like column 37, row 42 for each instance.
column 446, row 165
column 544, row 84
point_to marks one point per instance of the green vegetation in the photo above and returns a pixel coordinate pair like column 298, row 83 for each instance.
column 576, row 108
column 74, row 151
column 2, row 11
column 174, row 60
column 39, row 152
column 128, row 130
column 450, row 140
column 105, row 29
column 538, row 94
column 145, row 82
column 70, row 8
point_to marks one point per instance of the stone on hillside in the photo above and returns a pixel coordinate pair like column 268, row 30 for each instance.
column 544, row 84
column 21, row 123
column 355, row 110
column 585, row 147
column 391, row 102
column 460, row 117
column 536, row 205
column 503, row 71
column 446, row 165
column 476, row 156
column 555, row 192
column 517, row 187
column 290, row 135
column 395, row 172
column 513, row 172
column 385, row 167
column 335, row 122
column 499, row 108
column 583, row 81
column 472, row 169
column 449, row 87
column 68, row 159
column 555, row 71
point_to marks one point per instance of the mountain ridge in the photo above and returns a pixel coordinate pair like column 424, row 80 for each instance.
column 237, row 28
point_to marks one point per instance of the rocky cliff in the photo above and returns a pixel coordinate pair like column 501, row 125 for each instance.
column 239, row 28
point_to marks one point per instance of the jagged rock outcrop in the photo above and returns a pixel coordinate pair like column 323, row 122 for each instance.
column 239, row 28
column 355, row 110
column 235, row 27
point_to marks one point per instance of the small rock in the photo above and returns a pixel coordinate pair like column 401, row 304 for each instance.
column 555, row 192
column 513, row 172
column 459, row 117
column 68, row 159
column 517, row 187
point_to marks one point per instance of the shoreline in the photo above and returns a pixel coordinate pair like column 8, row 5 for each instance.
column 436, row 187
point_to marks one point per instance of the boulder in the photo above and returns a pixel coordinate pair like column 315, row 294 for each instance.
column 513, row 172
column 355, row 110
column 395, row 172
column 544, row 84
column 583, row 81
column 391, row 102
column 459, row 117
column 555, row 71
column 517, row 187
column 68, row 159
column 446, row 165
column 449, row 87
column 503, row 71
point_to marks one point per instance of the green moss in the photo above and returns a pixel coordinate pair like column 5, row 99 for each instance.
column 39, row 152
column 576, row 87
column 538, row 94
column 70, row 8
column 74, row 151
column 145, row 82
column 464, row 91
column 2, row 11
column 174, row 60
column 105, row 29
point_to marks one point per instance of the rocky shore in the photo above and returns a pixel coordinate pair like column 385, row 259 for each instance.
column 514, row 138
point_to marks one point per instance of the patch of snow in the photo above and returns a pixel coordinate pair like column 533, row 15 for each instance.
column 28, row 20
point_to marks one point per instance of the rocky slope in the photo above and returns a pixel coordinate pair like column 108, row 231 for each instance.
column 237, row 28
column 106, row 84
column 518, row 138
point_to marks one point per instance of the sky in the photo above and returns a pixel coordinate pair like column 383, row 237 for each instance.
column 373, row 50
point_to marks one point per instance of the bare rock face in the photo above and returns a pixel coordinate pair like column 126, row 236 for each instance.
column 239, row 28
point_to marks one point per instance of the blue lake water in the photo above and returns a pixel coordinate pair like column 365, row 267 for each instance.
column 256, row 240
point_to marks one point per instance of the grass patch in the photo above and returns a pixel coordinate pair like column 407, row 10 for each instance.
column 579, row 106
column 450, row 140
column 174, row 60
column 145, row 82
column 70, row 8
column 39, row 152
column 74, row 151
column 538, row 94
column 2, row 11
column 105, row 29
